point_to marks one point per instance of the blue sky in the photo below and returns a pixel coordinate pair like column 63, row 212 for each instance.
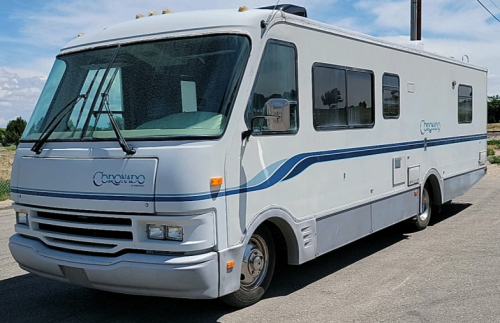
column 33, row 31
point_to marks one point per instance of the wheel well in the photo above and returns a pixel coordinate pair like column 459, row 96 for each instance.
column 284, row 238
column 432, row 185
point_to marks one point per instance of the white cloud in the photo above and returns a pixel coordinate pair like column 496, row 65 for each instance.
column 455, row 19
column 389, row 14
column 39, row 68
column 58, row 21
column 18, row 95
column 449, row 28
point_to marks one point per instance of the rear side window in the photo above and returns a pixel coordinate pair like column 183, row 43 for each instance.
column 342, row 97
column 390, row 85
column 464, row 104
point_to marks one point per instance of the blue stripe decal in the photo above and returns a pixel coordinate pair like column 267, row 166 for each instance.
column 277, row 172
column 85, row 196
column 297, row 164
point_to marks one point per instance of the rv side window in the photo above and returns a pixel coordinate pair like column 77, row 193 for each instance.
column 390, row 85
column 464, row 104
column 276, row 79
column 342, row 97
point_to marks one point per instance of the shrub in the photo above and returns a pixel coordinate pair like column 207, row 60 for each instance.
column 490, row 152
column 495, row 160
column 4, row 190
column 494, row 143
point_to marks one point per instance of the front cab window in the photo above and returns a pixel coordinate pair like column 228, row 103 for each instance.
column 273, row 107
column 165, row 89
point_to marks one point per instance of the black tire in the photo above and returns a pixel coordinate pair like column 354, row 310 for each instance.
column 257, row 270
column 421, row 221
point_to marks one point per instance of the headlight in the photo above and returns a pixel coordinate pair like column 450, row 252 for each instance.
column 156, row 232
column 164, row 232
column 22, row 218
column 174, row 233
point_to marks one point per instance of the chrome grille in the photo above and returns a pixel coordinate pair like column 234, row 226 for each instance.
column 83, row 232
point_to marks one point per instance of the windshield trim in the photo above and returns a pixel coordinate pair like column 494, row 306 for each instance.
column 162, row 35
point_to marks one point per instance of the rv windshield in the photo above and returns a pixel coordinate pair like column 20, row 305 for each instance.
column 169, row 88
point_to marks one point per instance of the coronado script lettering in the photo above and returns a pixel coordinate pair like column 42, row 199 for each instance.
column 429, row 127
column 100, row 178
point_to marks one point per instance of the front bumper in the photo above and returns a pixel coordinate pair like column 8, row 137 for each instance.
column 154, row 275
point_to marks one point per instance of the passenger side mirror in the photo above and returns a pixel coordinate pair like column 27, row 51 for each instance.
column 278, row 114
column 276, row 118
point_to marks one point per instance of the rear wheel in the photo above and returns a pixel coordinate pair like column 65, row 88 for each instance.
column 421, row 221
column 256, row 270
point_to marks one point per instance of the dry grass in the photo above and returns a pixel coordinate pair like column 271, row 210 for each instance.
column 493, row 126
column 6, row 160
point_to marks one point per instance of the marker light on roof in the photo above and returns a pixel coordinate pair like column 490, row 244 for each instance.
column 152, row 13
column 242, row 8
column 139, row 16
column 166, row 11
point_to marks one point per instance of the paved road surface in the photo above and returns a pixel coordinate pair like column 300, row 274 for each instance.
column 447, row 273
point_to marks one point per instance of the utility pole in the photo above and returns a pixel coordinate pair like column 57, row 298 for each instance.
column 416, row 20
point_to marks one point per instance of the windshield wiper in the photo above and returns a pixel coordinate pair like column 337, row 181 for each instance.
column 85, row 101
column 37, row 147
column 105, row 104
column 128, row 149
column 99, row 88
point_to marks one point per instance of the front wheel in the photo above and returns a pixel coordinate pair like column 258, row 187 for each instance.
column 421, row 221
column 256, row 270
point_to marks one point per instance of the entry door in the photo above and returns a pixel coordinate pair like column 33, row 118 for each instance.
column 265, row 150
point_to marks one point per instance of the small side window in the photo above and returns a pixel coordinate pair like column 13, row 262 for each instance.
column 464, row 104
column 390, row 86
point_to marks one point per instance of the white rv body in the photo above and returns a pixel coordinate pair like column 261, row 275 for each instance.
column 89, row 204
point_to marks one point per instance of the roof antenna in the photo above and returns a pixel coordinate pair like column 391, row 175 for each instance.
column 263, row 24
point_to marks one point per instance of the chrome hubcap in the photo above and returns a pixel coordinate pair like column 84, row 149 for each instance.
column 255, row 262
column 425, row 206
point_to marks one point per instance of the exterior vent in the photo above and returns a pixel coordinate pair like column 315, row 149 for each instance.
column 289, row 8
column 307, row 235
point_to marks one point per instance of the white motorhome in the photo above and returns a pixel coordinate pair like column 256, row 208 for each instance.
column 171, row 155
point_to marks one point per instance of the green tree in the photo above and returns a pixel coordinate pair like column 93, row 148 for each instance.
column 2, row 136
column 14, row 131
column 332, row 98
column 493, row 109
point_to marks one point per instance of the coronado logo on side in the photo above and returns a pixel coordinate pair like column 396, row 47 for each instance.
column 100, row 178
column 429, row 127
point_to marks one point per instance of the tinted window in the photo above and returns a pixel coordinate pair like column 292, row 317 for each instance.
column 342, row 97
column 276, row 79
column 329, row 97
column 390, row 85
column 464, row 104
column 162, row 89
